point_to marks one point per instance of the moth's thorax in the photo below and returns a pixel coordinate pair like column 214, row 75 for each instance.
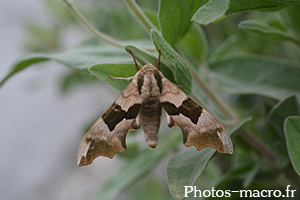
column 149, row 82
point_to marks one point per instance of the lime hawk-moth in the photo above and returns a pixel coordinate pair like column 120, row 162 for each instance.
column 141, row 103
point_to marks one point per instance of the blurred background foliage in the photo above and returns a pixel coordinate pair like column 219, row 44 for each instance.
column 261, row 157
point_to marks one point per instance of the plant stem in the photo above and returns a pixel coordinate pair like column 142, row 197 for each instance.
column 137, row 11
column 258, row 145
column 94, row 31
column 217, row 92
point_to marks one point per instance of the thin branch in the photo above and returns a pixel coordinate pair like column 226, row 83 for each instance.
column 218, row 101
column 213, row 84
column 137, row 11
column 258, row 145
column 94, row 31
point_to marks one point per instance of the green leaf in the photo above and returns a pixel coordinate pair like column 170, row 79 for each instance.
column 286, row 107
column 175, row 17
column 103, row 71
column 289, row 18
column 150, row 188
column 211, row 12
column 267, row 31
column 74, row 79
column 249, row 177
column 265, row 76
column 292, row 134
column 215, row 10
column 22, row 63
column 182, row 74
column 186, row 166
column 234, row 131
column 222, row 48
column 275, row 120
column 194, row 45
column 81, row 57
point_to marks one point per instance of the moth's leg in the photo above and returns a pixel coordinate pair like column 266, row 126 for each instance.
column 158, row 60
column 121, row 78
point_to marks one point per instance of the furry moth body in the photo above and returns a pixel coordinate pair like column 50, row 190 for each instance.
column 140, row 104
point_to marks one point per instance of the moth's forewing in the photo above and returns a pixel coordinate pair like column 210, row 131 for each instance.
column 107, row 134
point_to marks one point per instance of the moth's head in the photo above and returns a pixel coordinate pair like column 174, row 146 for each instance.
column 148, row 67
column 150, row 71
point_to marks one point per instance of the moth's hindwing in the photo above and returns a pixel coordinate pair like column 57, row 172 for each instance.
column 107, row 134
column 198, row 126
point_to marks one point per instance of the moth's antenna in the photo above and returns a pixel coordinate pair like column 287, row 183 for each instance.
column 158, row 61
column 136, row 65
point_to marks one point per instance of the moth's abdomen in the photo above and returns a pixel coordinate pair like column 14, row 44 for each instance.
column 150, row 120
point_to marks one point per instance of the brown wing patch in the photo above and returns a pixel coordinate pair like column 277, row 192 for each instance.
column 170, row 108
column 115, row 114
column 188, row 108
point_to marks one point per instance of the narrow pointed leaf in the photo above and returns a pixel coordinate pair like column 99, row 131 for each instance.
column 194, row 45
column 175, row 17
column 103, row 71
column 292, row 134
column 285, row 108
column 289, row 18
column 222, row 48
column 267, row 31
column 182, row 74
column 185, row 168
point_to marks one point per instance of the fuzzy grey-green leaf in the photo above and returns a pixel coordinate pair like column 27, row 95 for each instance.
column 267, row 31
column 194, row 45
column 185, row 167
column 175, row 17
column 285, row 108
column 182, row 74
column 292, row 134
column 104, row 70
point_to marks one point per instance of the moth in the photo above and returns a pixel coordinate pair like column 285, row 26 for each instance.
column 141, row 103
